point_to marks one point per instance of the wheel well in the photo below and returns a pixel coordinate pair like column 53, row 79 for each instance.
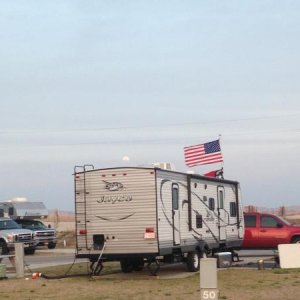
column 203, row 248
column 295, row 237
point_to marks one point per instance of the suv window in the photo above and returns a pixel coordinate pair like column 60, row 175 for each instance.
column 250, row 221
column 269, row 221
column 233, row 212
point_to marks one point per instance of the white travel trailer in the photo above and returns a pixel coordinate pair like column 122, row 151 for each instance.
column 139, row 215
column 20, row 208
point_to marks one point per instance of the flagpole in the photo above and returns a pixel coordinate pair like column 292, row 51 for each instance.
column 222, row 164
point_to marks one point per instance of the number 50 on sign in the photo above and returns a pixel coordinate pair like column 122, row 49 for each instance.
column 209, row 294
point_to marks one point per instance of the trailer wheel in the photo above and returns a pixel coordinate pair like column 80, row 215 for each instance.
column 126, row 265
column 138, row 264
column 193, row 261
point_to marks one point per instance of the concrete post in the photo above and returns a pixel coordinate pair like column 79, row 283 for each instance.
column 19, row 261
column 208, row 279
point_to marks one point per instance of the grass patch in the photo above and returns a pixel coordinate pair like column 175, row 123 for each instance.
column 233, row 284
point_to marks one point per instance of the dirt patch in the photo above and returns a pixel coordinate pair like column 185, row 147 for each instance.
column 66, row 239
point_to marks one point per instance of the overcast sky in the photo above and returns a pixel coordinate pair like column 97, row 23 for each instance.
column 86, row 82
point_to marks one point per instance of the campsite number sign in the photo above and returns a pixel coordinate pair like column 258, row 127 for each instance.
column 208, row 279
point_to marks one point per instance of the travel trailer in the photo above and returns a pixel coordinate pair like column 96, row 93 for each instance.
column 148, row 215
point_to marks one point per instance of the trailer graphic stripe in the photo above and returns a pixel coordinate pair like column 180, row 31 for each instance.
column 112, row 220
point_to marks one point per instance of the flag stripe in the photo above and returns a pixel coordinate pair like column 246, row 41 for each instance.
column 204, row 160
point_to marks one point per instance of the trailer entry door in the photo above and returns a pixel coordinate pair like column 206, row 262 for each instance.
column 175, row 214
column 221, row 213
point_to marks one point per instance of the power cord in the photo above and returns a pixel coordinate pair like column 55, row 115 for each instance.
column 65, row 275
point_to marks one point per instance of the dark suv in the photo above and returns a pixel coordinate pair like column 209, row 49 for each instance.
column 44, row 235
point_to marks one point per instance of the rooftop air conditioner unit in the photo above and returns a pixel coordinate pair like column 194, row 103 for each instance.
column 164, row 165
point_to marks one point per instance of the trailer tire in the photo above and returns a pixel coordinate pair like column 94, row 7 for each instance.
column 126, row 265
column 138, row 264
column 193, row 261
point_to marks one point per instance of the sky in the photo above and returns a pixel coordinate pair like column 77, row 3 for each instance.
column 89, row 82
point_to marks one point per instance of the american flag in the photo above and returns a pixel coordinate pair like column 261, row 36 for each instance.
column 208, row 153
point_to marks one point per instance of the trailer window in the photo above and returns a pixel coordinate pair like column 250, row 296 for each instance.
column 211, row 203
column 199, row 221
column 1, row 213
column 10, row 211
column 175, row 197
column 221, row 199
column 232, row 209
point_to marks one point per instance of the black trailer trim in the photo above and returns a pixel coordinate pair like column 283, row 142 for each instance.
column 238, row 205
column 116, row 257
column 189, row 199
column 156, row 205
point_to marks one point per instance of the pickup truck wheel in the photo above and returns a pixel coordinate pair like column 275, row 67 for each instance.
column 296, row 240
column 51, row 245
column 3, row 248
column 193, row 261
column 30, row 251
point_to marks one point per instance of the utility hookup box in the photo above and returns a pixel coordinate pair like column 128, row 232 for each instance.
column 224, row 259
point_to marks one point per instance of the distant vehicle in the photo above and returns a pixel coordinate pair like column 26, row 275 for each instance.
column 45, row 236
column 267, row 231
column 10, row 233
column 29, row 215
column 148, row 215
column 20, row 208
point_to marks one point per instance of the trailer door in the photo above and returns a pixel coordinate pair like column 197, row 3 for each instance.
column 175, row 214
column 221, row 213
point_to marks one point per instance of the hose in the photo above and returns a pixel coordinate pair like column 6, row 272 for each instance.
column 95, row 271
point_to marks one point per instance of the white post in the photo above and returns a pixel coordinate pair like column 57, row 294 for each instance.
column 208, row 279
column 19, row 261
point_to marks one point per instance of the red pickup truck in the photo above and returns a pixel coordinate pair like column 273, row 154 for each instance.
column 267, row 231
